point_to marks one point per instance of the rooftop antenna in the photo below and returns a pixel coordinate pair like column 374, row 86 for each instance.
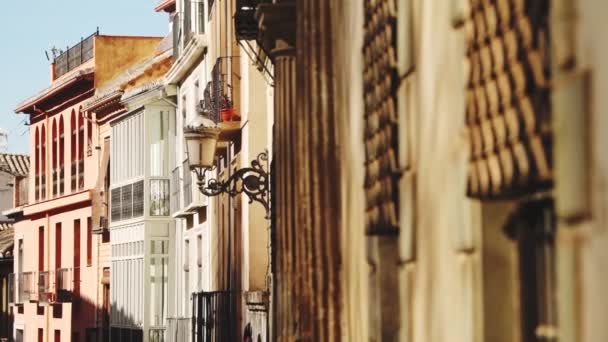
column 52, row 52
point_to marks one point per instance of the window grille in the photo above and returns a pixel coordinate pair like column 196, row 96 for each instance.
column 127, row 202
column 116, row 211
column 138, row 199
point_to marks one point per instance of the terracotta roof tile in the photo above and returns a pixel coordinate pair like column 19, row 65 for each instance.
column 15, row 164
column 7, row 233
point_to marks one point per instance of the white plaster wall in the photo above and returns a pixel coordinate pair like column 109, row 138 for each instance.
column 593, row 53
column 254, row 140
column 355, row 275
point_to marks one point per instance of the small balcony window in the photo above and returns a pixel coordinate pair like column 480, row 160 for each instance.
column 159, row 197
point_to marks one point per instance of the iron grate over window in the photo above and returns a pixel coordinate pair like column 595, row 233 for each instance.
column 138, row 199
column 214, row 316
column 127, row 202
column 116, row 199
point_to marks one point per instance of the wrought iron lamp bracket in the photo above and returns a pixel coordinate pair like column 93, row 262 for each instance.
column 253, row 181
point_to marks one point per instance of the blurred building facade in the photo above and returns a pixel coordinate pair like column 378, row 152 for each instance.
column 459, row 145
column 14, row 170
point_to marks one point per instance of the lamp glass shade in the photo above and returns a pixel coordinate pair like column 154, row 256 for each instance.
column 201, row 146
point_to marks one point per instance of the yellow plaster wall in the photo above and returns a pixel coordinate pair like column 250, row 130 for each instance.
column 113, row 54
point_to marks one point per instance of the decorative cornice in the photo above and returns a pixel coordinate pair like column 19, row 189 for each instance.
column 192, row 54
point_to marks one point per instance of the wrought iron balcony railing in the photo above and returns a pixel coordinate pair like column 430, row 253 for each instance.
column 65, row 285
column 57, row 286
column 75, row 56
column 25, row 287
column 214, row 316
column 218, row 102
column 44, row 291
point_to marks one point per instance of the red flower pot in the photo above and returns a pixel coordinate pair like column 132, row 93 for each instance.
column 228, row 114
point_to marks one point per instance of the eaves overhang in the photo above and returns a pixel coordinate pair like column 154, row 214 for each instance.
column 100, row 101
column 193, row 53
column 28, row 106
column 165, row 5
column 13, row 212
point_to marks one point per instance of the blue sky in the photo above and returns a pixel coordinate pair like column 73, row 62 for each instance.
column 31, row 27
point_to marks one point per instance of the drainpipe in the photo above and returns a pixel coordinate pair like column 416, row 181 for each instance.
column 48, row 258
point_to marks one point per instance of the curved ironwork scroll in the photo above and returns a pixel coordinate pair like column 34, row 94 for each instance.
column 253, row 181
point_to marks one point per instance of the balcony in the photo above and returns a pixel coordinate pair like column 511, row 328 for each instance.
column 44, row 291
column 214, row 316
column 48, row 287
column 66, row 285
column 24, row 287
column 218, row 102
column 75, row 56
column 245, row 23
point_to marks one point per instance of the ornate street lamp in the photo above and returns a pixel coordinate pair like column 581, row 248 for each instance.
column 201, row 136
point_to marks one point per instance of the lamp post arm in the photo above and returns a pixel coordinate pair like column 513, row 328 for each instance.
column 253, row 181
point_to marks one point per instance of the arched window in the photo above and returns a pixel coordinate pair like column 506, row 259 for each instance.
column 37, row 164
column 43, row 163
column 61, row 157
column 73, row 143
column 80, row 149
column 55, row 184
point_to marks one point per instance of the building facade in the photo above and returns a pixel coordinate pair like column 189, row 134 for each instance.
column 58, row 274
column 437, row 174
column 469, row 195
column 14, row 170
column 221, row 257
column 133, row 198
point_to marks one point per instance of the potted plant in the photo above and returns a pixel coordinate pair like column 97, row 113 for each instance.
column 226, row 108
